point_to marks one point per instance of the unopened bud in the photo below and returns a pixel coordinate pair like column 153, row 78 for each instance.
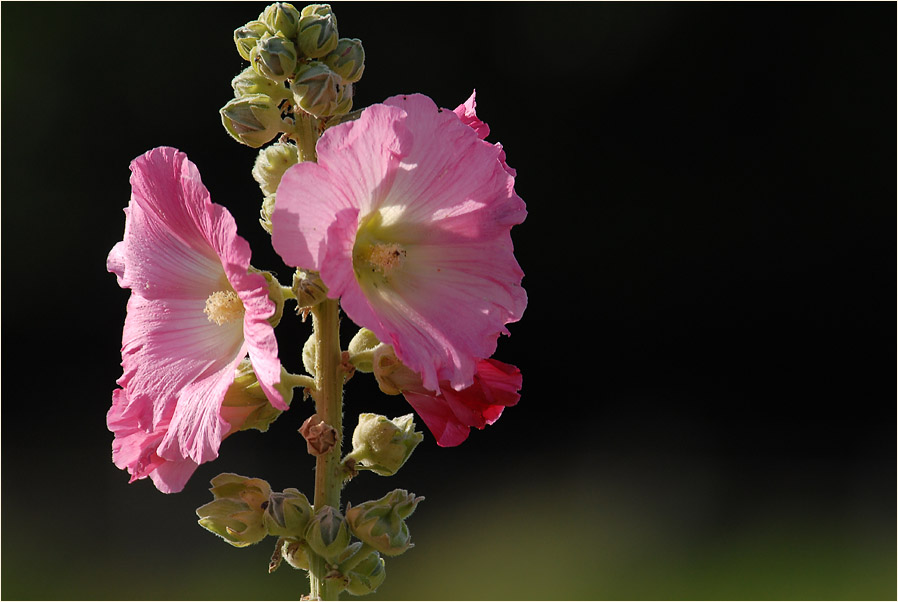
column 317, row 31
column 281, row 17
column 252, row 120
column 393, row 377
column 308, row 288
column 236, row 512
column 381, row 523
column 288, row 513
column 367, row 575
column 320, row 437
column 293, row 552
column 361, row 350
column 383, row 445
column 245, row 405
column 249, row 82
column 347, row 60
column 327, row 534
column 274, row 57
column 310, row 354
column 248, row 36
column 271, row 163
column 316, row 89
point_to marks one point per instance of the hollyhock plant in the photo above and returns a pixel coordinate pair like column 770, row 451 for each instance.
column 194, row 313
column 400, row 214
column 450, row 414
column 407, row 217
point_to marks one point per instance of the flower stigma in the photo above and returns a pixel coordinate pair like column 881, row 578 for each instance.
column 223, row 307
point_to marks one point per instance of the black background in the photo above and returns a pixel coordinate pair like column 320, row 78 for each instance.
column 708, row 352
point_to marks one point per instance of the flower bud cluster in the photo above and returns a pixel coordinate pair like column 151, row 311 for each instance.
column 298, row 62
column 244, row 511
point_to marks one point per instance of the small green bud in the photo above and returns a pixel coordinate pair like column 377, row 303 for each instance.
column 316, row 89
column 275, row 294
column 317, row 31
column 287, row 514
column 249, row 82
column 367, row 575
column 245, row 405
column 236, row 512
column 361, row 350
column 248, row 36
column 383, row 445
column 381, row 523
column 252, row 120
column 281, row 17
column 271, row 164
column 347, row 60
column 274, row 57
column 295, row 555
column 308, row 288
column 327, row 534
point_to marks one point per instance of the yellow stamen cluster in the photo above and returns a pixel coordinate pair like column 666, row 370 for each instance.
column 386, row 257
column 223, row 307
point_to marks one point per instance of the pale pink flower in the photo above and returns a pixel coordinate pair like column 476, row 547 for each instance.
column 450, row 414
column 194, row 313
column 407, row 216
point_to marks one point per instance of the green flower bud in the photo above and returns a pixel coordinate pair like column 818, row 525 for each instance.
column 308, row 288
column 248, row 36
column 317, row 34
column 316, row 89
column 274, row 57
column 367, row 575
column 327, row 534
column 383, row 445
column 295, row 555
column 361, row 350
column 249, row 82
column 347, row 60
column 252, row 120
column 281, row 17
column 287, row 514
column 245, row 405
column 381, row 523
column 236, row 512
column 271, row 163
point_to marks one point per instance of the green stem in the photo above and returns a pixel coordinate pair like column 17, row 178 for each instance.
column 329, row 407
column 298, row 380
column 306, row 135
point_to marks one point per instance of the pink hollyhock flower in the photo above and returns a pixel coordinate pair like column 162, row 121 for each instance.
column 194, row 313
column 449, row 414
column 407, row 217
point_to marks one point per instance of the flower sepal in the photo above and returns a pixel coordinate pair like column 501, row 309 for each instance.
column 245, row 405
column 381, row 523
column 235, row 514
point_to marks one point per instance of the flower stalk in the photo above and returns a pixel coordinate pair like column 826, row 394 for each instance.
column 329, row 406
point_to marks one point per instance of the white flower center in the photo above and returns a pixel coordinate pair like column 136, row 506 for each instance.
column 223, row 307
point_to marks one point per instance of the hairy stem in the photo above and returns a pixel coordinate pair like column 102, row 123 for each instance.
column 329, row 407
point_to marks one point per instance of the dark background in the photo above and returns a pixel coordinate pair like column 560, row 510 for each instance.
column 708, row 407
